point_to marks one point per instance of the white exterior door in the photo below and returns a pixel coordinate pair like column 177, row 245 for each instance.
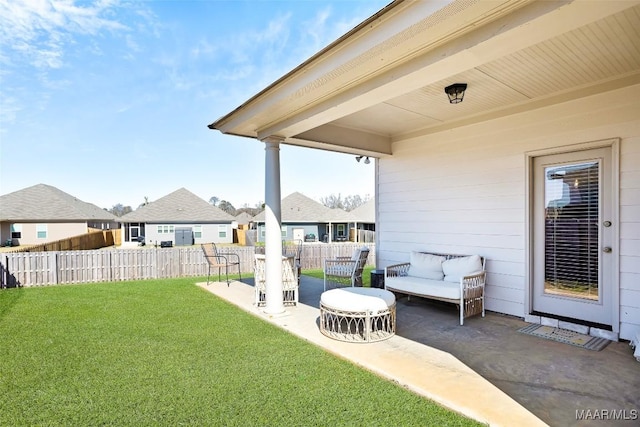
column 298, row 234
column 573, row 236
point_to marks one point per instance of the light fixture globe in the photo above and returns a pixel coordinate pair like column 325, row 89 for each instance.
column 455, row 92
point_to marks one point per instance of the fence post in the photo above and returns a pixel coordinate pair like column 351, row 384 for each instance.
column 55, row 268
column 4, row 280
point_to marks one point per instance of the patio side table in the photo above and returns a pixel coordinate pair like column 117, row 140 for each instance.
column 377, row 279
column 358, row 314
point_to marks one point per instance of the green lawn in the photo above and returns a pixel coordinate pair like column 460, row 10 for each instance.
column 319, row 274
column 166, row 352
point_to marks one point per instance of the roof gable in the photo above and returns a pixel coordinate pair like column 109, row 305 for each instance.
column 244, row 218
column 179, row 206
column 43, row 202
column 297, row 207
column 366, row 212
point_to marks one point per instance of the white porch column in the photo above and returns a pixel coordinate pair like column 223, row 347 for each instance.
column 273, row 231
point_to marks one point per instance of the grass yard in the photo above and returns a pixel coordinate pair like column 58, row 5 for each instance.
column 366, row 274
column 166, row 352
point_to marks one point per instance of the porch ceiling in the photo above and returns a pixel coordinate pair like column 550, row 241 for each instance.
column 384, row 81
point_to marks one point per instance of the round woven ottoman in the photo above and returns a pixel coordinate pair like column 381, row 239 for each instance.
column 358, row 314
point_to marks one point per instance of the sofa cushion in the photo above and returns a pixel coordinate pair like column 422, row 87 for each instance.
column 358, row 299
column 455, row 268
column 426, row 266
column 420, row 286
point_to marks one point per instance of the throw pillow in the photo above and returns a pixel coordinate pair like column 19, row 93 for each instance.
column 455, row 268
column 426, row 266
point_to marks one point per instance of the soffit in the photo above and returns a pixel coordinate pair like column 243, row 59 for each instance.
column 602, row 51
column 513, row 56
column 400, row 32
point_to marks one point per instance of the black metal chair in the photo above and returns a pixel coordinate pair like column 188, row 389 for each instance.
column 220, row 260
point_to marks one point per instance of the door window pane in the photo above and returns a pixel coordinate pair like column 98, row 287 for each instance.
column 571, row 230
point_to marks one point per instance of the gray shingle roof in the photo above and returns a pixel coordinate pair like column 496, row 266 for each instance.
column 365, row 212
column 43, row 202
column 244, row 218
column 297, row 207
column 181, row 206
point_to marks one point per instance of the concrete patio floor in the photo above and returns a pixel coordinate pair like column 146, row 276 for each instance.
column 484, row 369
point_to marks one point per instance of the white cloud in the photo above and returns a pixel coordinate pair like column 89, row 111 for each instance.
column 39, row 30
column 41, row 39
column 316, row 29
column 9, row 107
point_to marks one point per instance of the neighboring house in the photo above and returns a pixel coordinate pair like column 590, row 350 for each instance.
column 244, row 218
column 365, row 221
column 552, row 94
column 42, row 213
column 181, row 218
column 305, row 219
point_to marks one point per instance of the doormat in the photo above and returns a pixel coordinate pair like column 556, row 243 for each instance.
column 566, row 336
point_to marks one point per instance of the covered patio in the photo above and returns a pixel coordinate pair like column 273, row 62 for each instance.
column 475, row 112
column 551, row 86
column 486, row 369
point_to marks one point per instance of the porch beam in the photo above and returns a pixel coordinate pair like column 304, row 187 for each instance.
column 338, row 136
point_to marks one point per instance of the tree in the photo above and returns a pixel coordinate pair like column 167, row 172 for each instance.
column 146, row 202
column 259, row 207
column 332, row 201
column 120, row 210
column 352, row 202
column 214, row 200
column 227, row 207
column 348, row 204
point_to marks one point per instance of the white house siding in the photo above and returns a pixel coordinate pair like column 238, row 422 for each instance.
column 55, row 231
column 463, row 191
column 210, row 233
column 630, row 235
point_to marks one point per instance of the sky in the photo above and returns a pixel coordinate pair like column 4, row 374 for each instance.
column 109, row 100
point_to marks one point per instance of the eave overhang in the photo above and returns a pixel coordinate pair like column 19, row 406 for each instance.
column 336, row 99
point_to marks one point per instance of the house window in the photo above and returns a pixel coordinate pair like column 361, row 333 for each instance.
column 41, row 231
column 197, row 231
column 262, row 232
column 284, row 231
column 16, row 231
column 165, row 229
column 222, row 231
column 341, row 230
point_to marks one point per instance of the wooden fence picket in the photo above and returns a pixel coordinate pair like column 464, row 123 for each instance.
column 91, row 266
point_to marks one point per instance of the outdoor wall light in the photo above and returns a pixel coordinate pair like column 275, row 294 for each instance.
column 455, row 92
column 366, row 160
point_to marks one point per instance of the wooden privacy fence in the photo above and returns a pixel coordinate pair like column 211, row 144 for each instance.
column 94, row 239
column 110, row 265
